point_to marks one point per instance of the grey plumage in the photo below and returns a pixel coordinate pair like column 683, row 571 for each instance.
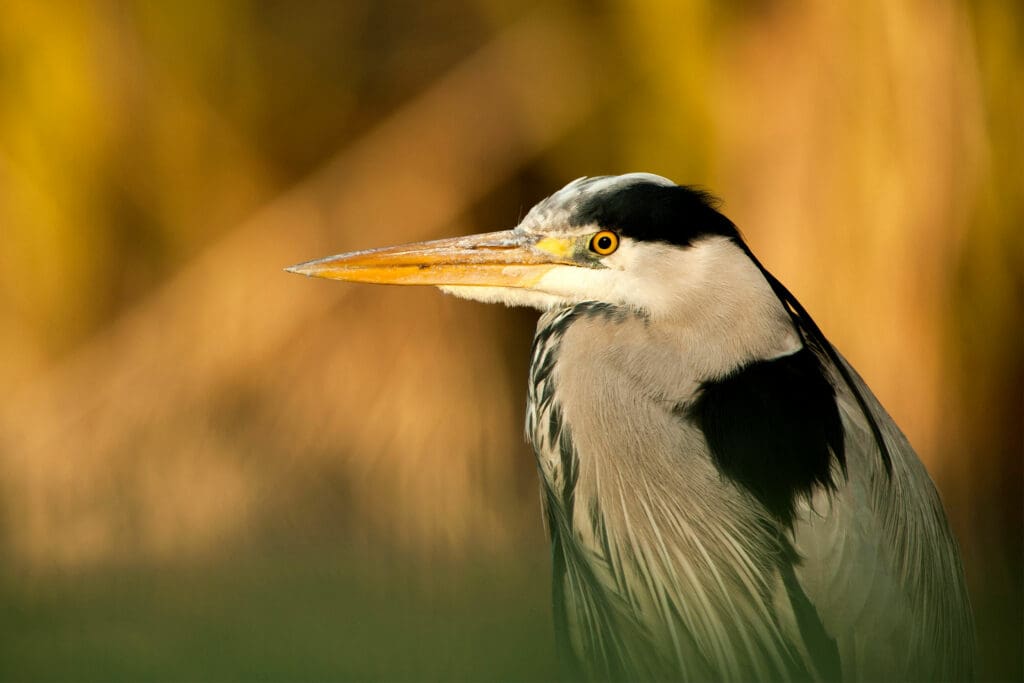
column 671, row 572
column 726, row 498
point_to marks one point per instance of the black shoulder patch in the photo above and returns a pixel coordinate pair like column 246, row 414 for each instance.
column 655, row 213
column 773, row 427
column 810, row 332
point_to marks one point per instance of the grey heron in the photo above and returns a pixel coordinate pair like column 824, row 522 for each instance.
column 725, row 497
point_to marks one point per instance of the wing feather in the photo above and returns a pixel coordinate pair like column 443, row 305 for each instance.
column 879, row 562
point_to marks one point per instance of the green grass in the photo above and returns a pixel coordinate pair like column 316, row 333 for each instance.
column 279, row 619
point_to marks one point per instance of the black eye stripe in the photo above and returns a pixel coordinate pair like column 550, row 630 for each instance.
column 652, row 212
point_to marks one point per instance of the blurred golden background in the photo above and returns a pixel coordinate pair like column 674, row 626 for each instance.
column 213, row 470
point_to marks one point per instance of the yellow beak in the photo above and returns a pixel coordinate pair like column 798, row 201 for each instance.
column 494, row 259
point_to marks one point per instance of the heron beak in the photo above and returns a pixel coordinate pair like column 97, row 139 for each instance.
column 494, row 259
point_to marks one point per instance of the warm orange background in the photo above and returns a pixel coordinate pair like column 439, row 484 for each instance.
column 210, row 469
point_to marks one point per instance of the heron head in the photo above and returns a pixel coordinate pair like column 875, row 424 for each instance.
column 636, row 240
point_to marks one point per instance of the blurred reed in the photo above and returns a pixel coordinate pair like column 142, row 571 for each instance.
column 176, row 403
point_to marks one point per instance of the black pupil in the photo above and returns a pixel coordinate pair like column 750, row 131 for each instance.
column 604, row 242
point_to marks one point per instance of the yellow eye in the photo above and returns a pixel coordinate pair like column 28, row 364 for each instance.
column 604, row 242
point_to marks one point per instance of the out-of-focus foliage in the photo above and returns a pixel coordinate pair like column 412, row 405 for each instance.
column 210, row 469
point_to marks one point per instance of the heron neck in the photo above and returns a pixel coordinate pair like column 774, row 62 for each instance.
column 734, row 319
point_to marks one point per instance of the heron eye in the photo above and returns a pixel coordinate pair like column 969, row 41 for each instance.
column 604, row 242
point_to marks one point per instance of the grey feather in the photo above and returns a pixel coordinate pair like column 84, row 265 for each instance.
column 672, row 572
column 881, row 564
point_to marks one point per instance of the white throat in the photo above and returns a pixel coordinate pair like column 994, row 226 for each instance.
column 710, row 296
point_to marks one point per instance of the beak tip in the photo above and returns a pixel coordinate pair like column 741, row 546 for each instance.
column 299, row 269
